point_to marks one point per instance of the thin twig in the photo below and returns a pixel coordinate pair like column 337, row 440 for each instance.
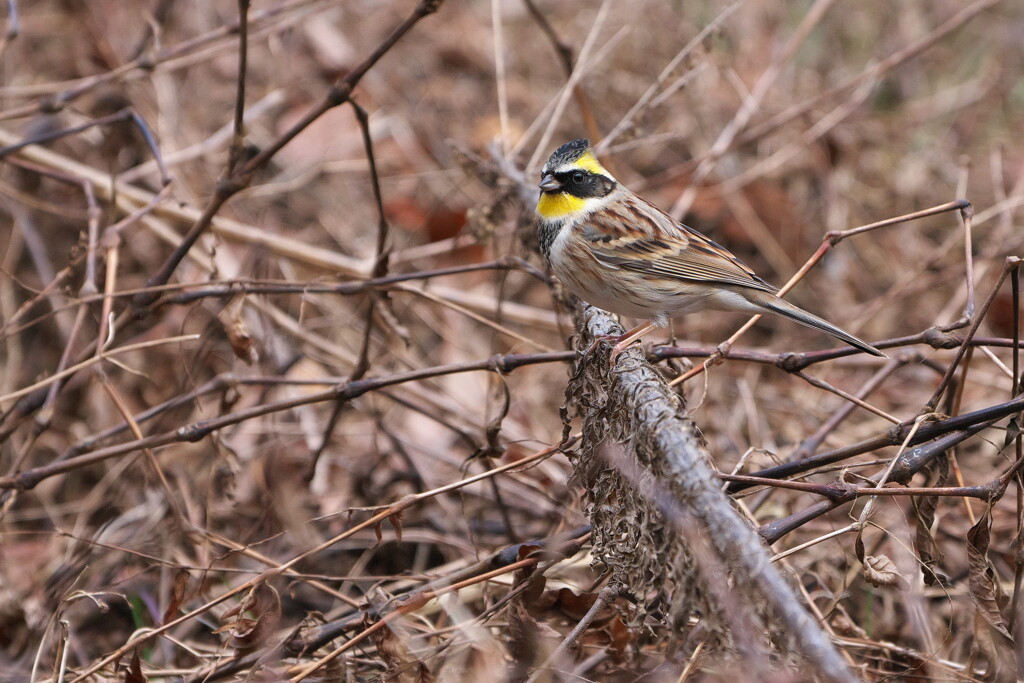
column 197, row 431
column 607, row 595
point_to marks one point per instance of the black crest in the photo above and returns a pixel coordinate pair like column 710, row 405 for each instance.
column 568, row 153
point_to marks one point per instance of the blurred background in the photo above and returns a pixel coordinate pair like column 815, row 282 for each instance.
column 782, row 121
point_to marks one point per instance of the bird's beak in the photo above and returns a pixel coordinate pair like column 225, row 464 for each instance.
column 548, row 183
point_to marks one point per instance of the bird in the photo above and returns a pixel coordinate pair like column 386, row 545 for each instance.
column 618, row 252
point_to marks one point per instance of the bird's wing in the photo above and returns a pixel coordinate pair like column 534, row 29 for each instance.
column 650, row 241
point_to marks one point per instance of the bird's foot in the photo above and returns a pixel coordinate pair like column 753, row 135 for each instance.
column 602, row 339
column 622, row 341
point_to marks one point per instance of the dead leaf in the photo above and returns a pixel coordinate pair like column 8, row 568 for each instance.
column 232, row 318
column 879, row 570
column 134, row 672
column 928, row 551
column 181, row 578
column 392, row 644
column 247, row 633
column 396, row 523
column 991, row 637
column 530, row 641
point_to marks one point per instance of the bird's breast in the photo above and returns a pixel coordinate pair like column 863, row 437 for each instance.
column 547, row 233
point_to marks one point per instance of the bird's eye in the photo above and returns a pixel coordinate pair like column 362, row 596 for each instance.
column 578, row 177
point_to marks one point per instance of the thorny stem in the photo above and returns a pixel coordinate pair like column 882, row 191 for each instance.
column 565, row 57
column 1018, row 541
column 77, row 87
column 841, row 492
column 905, row 468
column 344, row 391
column 607, row 595
column 241, row 176
column 121, row 116
column 238, row 137
column 383, row 251
column 380, row 269
column 561, row 546
column 793, row 362
column 1008, row 266
column 959, row 425
column 831, row 239
column 385, row 513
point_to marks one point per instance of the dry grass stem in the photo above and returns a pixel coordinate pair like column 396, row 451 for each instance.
column 287, row 392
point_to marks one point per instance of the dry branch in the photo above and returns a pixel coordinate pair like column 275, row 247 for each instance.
column 156, row 489
column 662, row 524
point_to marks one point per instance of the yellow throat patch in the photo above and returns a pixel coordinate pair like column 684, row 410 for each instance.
column 562, row 204
column 558, row 205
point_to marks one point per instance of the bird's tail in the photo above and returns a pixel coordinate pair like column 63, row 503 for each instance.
column 784, row 308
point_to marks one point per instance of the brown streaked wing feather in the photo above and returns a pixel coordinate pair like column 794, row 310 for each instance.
column 651, row 241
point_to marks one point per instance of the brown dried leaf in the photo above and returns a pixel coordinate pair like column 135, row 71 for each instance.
column 535, row 597
column 928, row 551
column 474, row 663
column 991, row 637
column 237, row 330
column 403, row 666
column 438, row 222
column 844, row 625
column 133, row 674
column 247, row 633
column 181, row 578
column 334, row 671
column 530, row 642
column 575, row 606
column 525, row 551
column 620, row 636
column 396, row 523
column 879, row 570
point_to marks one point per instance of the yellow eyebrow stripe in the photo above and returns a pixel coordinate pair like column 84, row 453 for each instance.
column 588, row 162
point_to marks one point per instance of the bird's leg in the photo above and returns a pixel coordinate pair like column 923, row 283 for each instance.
column 622, row 341
column 625, row 340
column 598, row 338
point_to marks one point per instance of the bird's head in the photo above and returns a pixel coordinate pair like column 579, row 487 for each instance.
column 572, row 181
